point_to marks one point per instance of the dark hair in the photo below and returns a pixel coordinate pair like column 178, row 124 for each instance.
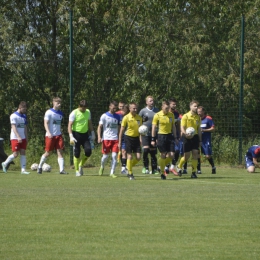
column 193, row 102
column 172, row 100
column 113, row 102
column 165, row 102
column 83, row 103
column 203, row 109
column 22, row 104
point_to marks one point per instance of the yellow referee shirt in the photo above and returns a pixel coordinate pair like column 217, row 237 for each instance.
column 189, row 120
column 132, row 123
column 164, row 122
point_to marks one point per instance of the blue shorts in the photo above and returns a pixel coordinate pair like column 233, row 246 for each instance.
column 206, row 148
column 123, row 145
column 248, row 162
column 178, row 147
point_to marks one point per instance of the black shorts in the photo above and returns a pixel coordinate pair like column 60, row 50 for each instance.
column 132, row 144
column 165, row 143
column 146, row 141
column 191, row 144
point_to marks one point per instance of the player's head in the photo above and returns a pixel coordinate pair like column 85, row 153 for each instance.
column 149, row 101
column 121, row 105
column 22, row 108
column 165, row 107
column 133, row 108
column 56, row 103
column 113, row 107
column 257, row 151
column 173, row 103
column 194, row 106
column 82, row 105
column 126, row 109
column 201, row 111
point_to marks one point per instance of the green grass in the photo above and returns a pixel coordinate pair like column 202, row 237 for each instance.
column 96, row 217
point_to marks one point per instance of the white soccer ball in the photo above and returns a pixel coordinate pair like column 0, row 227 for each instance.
column 190, row 131
column 46, row 167
column 143, row 130
column 34, row 166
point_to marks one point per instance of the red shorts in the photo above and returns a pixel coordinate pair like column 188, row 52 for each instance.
column 110, row 146
column 54, row 143
column 18, row 146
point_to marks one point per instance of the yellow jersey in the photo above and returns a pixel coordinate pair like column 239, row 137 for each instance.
column 189, row 120
column 164, row 122
column 132, row 123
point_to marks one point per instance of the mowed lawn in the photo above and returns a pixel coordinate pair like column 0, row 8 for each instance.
column 51, row 216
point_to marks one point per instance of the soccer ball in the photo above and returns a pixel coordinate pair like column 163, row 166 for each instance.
column 46, row 167
column 143, row 130
column 190, row 131
column 34, row 166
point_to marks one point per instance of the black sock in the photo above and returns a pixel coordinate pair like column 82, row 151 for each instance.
column 123, row 161
column 211, row 162
column 185, row 166
column 198, row 167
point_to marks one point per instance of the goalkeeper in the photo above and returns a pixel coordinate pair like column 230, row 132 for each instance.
column 81, row 132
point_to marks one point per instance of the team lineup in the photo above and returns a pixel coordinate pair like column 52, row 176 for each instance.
column 128, row 136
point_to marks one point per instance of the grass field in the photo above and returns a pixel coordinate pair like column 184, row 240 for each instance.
column 51, row 216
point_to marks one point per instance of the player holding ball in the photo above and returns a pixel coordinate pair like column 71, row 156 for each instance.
column 191, row 138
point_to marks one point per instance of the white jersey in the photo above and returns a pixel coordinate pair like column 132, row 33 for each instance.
column 54, row 118
column 110, row 124
column 20, row 121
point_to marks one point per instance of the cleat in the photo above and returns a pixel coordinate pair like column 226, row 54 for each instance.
column 4, row 168
column 166, row 171
column 184, row 171
column 124, row 171
column 24, row 172
column 78, row 174
column 163, row 177
column 113, row 175
column 156, row 172
column 213, row 170
column 193, row 175
column 39, row 170
column 81, row 170
column 144, row 170
column 198, row 172
column 131, row 177
column 63, row 172
column 101, row 170
column 172, row 170
column 179, row 171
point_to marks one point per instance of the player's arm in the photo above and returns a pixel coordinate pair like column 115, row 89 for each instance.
column 47, row 129
column 14, row 128
column 122, row 130
column 154, row 129
column 73, row 140
column 256, row 163
column 99, row 129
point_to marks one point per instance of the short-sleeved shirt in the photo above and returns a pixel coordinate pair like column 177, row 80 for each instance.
column 164, row 122
column 80, row 120
column 110, row 124
column 149, row 113
column 54, row 118
column 132, row 123
column 20, row 121
column 206, row 123
column 190, row 120
column 253, row 152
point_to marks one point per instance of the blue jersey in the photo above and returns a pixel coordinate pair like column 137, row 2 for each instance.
column 206, row 123
column 253, row 152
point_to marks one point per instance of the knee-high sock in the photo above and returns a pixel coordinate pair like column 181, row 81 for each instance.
column 153, row 160
column 185, row 166
column 162, row 164
column 168, row 160
column 145, row 158
column 103, row 160
column 129, row 166
column 182, row 161
column 176, row 157
column 61, row 163
column 76, row 163
column 9, row 159
column 194, row 163
column 23, row 162
column 84, row 158
column 211, row 161
column 113, row 163
column 42, row 161
column 134, row 162
column 198, row 166
column 123, row 161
